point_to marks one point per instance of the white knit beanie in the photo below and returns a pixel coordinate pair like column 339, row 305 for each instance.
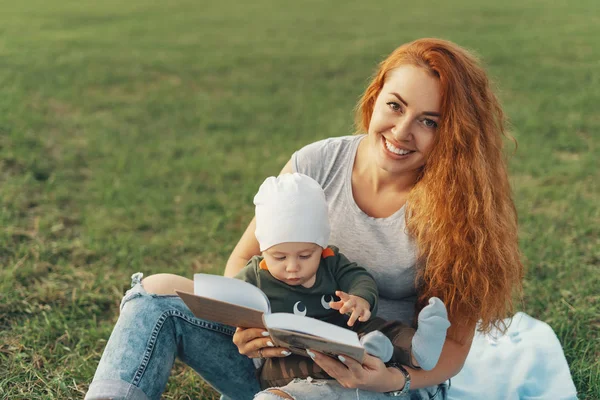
column 291, row 208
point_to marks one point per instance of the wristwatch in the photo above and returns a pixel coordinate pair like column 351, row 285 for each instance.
column 406, row 387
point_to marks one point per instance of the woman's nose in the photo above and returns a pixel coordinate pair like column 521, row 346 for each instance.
column 401, row 131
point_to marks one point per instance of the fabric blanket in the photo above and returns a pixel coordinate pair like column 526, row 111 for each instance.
column 526, row 363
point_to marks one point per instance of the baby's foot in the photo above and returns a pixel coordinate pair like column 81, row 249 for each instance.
column 378, row 345
column 430, row 336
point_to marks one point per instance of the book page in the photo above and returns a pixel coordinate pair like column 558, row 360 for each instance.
column 219, row 311
column 231, row 290
column 311, row 326
column 299, row 342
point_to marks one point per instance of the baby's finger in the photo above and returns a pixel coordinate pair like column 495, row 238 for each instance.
column 348, row 305
column 342, row 295
column 336, row 305
column 353, row 317
column 365, row 316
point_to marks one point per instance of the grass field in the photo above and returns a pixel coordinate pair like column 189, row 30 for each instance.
column 133, row 136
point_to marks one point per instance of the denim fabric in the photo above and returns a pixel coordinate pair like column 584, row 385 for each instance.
column 151, row 331
column 302, row 389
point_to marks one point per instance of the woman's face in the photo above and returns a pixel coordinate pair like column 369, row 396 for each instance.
column 404, row 120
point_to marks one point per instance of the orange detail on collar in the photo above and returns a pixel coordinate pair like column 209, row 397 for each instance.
column 263, row 265
column 327, row 252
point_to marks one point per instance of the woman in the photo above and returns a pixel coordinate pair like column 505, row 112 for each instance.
column 422, row 200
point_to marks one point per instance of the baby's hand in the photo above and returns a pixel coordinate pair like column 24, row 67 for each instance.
column 361, row 309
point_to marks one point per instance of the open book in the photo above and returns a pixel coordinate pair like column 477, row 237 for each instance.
column 237, row 303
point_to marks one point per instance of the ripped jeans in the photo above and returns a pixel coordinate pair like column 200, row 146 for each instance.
column 304, row 389
column 154, row 329
column 151, row 331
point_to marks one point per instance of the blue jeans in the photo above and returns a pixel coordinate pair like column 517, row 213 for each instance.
column 303, row 389
column 152, row 330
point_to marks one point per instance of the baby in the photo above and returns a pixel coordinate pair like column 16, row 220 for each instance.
column 301, row 274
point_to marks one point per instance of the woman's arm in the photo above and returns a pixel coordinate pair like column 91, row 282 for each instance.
column 248, row 246
column 245, row 249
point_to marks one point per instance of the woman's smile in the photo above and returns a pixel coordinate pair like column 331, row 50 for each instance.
column 397, row 152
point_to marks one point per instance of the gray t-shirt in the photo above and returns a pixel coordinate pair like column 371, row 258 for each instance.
column 381, row 245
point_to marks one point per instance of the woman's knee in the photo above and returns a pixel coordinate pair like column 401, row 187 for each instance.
column 166, row 284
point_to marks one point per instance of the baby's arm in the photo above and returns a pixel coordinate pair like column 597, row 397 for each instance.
column 353, row 279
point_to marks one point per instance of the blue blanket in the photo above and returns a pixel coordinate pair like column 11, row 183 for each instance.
column 526, row 363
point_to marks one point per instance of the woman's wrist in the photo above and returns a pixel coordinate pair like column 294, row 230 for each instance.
column 397, row 380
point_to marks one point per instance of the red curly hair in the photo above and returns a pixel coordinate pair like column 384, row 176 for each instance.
column 460, row 211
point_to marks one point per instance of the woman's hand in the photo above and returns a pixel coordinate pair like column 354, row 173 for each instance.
column 360, row 308
column 256, row 343
column 371, row 375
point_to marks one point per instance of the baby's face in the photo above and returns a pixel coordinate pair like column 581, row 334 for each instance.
column 294, row 263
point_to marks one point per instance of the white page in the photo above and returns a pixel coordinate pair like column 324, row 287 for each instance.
column 231, row 290
column 311, row 326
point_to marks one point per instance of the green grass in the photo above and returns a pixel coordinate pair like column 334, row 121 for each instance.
column 133, row 136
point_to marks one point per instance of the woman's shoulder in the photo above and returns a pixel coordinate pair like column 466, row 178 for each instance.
column 338, row 142
column 322, row 159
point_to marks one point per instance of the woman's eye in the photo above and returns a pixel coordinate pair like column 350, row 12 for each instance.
column 430, row 123
column 394, row 106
